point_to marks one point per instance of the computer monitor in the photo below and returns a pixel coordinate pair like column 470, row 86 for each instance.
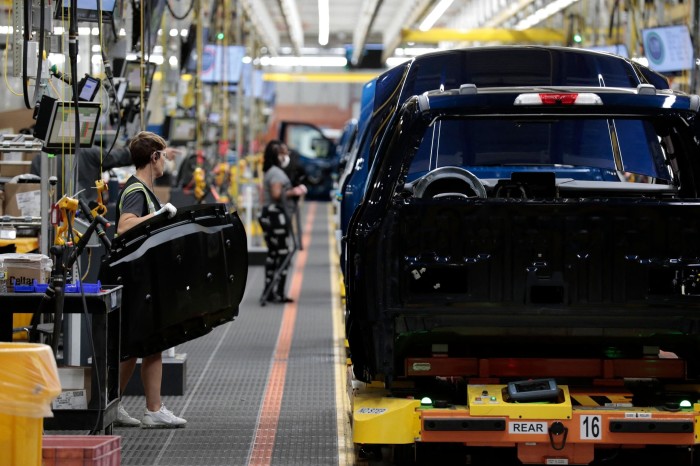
column 132, row 74
column 61, row 131
column 87, row 10
column 182, row 130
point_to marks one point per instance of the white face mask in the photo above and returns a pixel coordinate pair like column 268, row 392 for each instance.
column 284, row 163
column 169, row 166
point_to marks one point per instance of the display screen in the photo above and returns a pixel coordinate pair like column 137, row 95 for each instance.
column 62, row 127
column 132, row 74
column 182, row 130
column 87, row 10
column 89, row 89
column 107, row 5
column 668, row 48
column 220, row 64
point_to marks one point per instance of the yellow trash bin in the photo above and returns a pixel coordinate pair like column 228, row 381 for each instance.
column 28, row 384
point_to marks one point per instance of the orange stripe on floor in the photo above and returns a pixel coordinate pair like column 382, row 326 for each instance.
column 266, row 429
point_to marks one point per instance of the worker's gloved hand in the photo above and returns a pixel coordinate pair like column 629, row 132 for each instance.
column 169, row 209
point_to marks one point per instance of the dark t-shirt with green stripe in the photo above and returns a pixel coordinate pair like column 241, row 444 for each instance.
column 136, row 199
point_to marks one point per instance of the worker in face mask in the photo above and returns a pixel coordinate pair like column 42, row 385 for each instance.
column 277, row 210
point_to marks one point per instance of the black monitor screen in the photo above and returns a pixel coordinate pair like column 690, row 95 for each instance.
column 61, row 133
column 132, row 74
column 182, row 130
column 87, row 10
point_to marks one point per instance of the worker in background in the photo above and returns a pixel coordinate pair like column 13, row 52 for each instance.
column 137, row 203
column 277, row 210
column 297, row 175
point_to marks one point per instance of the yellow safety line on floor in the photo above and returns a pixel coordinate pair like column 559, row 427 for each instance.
column 346, row 450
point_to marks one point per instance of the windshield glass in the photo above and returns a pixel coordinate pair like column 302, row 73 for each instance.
column 586, row 149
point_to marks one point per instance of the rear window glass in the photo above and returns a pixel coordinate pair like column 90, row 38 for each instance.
column 580, row 148
column 517, row 67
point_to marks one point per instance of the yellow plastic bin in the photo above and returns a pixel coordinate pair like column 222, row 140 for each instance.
column 28, row 384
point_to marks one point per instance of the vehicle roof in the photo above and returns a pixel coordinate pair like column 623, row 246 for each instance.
column 513, row 65
column 611, row 100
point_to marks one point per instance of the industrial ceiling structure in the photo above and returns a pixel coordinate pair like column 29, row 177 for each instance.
column 318, row 27
column 298, row 39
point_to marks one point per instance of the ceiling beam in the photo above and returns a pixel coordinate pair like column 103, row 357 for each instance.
column 507, row 13
column 368, row 13
column 290, row 12
column 505, row 36
column 409, row 13
column 261, row 20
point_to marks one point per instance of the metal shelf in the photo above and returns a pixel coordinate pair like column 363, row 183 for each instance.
column 20, row 222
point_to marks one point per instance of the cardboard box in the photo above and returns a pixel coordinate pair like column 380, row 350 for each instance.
column 71, row 399
column 22, row 199
column 17, row 119
column 9, row 169
column 12, row 157
column 18, row 156
column 75, row 388
column 25, row 268
column 74, row 377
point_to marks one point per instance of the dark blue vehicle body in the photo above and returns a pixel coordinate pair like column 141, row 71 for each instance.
column 501, row 66
column 352, row 181
column 561, row 229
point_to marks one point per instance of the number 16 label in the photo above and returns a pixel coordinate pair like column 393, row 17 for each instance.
column 591, row 428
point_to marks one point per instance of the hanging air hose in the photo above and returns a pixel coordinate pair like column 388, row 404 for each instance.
column 40, row 61
column 73, row 58
column 26, row 35
column 110, row 78
column 184, row 15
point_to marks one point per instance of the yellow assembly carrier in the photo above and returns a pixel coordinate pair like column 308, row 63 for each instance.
column 544, row 422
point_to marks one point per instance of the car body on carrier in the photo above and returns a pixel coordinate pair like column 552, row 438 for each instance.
column 495, row 66
column 530, row 231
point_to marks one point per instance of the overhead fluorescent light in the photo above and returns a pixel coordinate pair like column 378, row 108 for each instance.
column 323, row 22
column 394, row 61
column 291, row 62
column 434, row 15
column 543, row 13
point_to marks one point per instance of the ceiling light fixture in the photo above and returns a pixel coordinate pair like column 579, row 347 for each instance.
column 323, row 22
column 291, row 62
column 395, row 61
column 408, row 13
column 434, row 15
column 543, row 13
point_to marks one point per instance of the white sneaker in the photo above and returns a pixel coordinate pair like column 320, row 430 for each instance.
column 163, row 419
column 124, row 420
